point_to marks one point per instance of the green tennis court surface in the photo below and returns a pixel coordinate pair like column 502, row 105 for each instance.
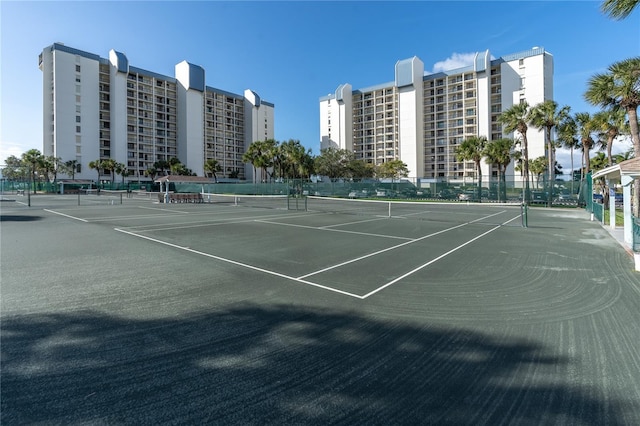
column 311, row 311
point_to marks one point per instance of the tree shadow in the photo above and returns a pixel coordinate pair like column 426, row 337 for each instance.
column 278, row 365
column 18, row 218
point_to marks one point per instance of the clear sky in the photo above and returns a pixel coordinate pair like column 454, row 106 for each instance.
column 294, row 52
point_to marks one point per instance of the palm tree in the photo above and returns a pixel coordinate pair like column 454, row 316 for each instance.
column 32, row 158
column 599, row 161
column 620, row 88
column 260, row 155
column 212, row 166
column 538, row 166
column 627, row 155
column 97, row 165
column 251, row 156
column 50, row 166
column 618, row 9
column 500, row 152
column 472, row 149
column 567, row 137
column 109, row 165
column 121, row 169
column 585, row 127
column 296, row 159
column 174, row 164
column 161, row 165
column 611, row 123
column 152, row 173
column 70, row 168
column 516, row 119
column 545, row 116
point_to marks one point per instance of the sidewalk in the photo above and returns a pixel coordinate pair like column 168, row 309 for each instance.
column 618, row 234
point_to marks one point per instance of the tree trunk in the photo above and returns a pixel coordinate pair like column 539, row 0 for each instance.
column 551, row 167
column 632, row 113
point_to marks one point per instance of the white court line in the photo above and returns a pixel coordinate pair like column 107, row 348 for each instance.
column 152, row 216
column 212, row 222
column 302, row 281
column 394, row 247
column 65, row 215
column 352, row 223
column 379, row 251
column 244, row 265
column 435, row 260
column 163, row 210
column 324, row 228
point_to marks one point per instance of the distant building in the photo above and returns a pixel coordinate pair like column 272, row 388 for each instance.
column 421, row 118
column 97, row 108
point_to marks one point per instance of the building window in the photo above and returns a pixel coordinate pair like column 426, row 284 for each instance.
column 77, row 129
column 77, row 68
column 77, row 99
column 77, row 118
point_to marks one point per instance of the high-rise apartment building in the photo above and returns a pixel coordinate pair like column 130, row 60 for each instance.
column 421, row 118
column 98, row 108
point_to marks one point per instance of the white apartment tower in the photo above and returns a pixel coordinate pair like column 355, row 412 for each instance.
column 421, row 118
column 97, row 108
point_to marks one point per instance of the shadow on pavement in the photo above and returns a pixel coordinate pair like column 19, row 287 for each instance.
column 282, row 365
column 18, row 218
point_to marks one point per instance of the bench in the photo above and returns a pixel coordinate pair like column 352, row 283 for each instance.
column 181, row 197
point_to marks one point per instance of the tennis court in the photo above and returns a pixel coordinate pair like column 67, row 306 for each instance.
column 358, row 249
column 279, row 310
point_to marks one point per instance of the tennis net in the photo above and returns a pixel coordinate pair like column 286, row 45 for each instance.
column 100, row 196
column 260, row 201
column 487, row 213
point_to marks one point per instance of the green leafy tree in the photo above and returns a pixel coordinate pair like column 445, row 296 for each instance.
column 15, row 169
column 394, row 169
column 499, row 153
column 359, row 169
column 516, row 119
column 333, row 162
column 472, row 149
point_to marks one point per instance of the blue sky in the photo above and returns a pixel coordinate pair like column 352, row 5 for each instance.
column 291, row 53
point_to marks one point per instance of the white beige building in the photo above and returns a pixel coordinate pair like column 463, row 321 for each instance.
column 421, row 118
column 97, row 108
